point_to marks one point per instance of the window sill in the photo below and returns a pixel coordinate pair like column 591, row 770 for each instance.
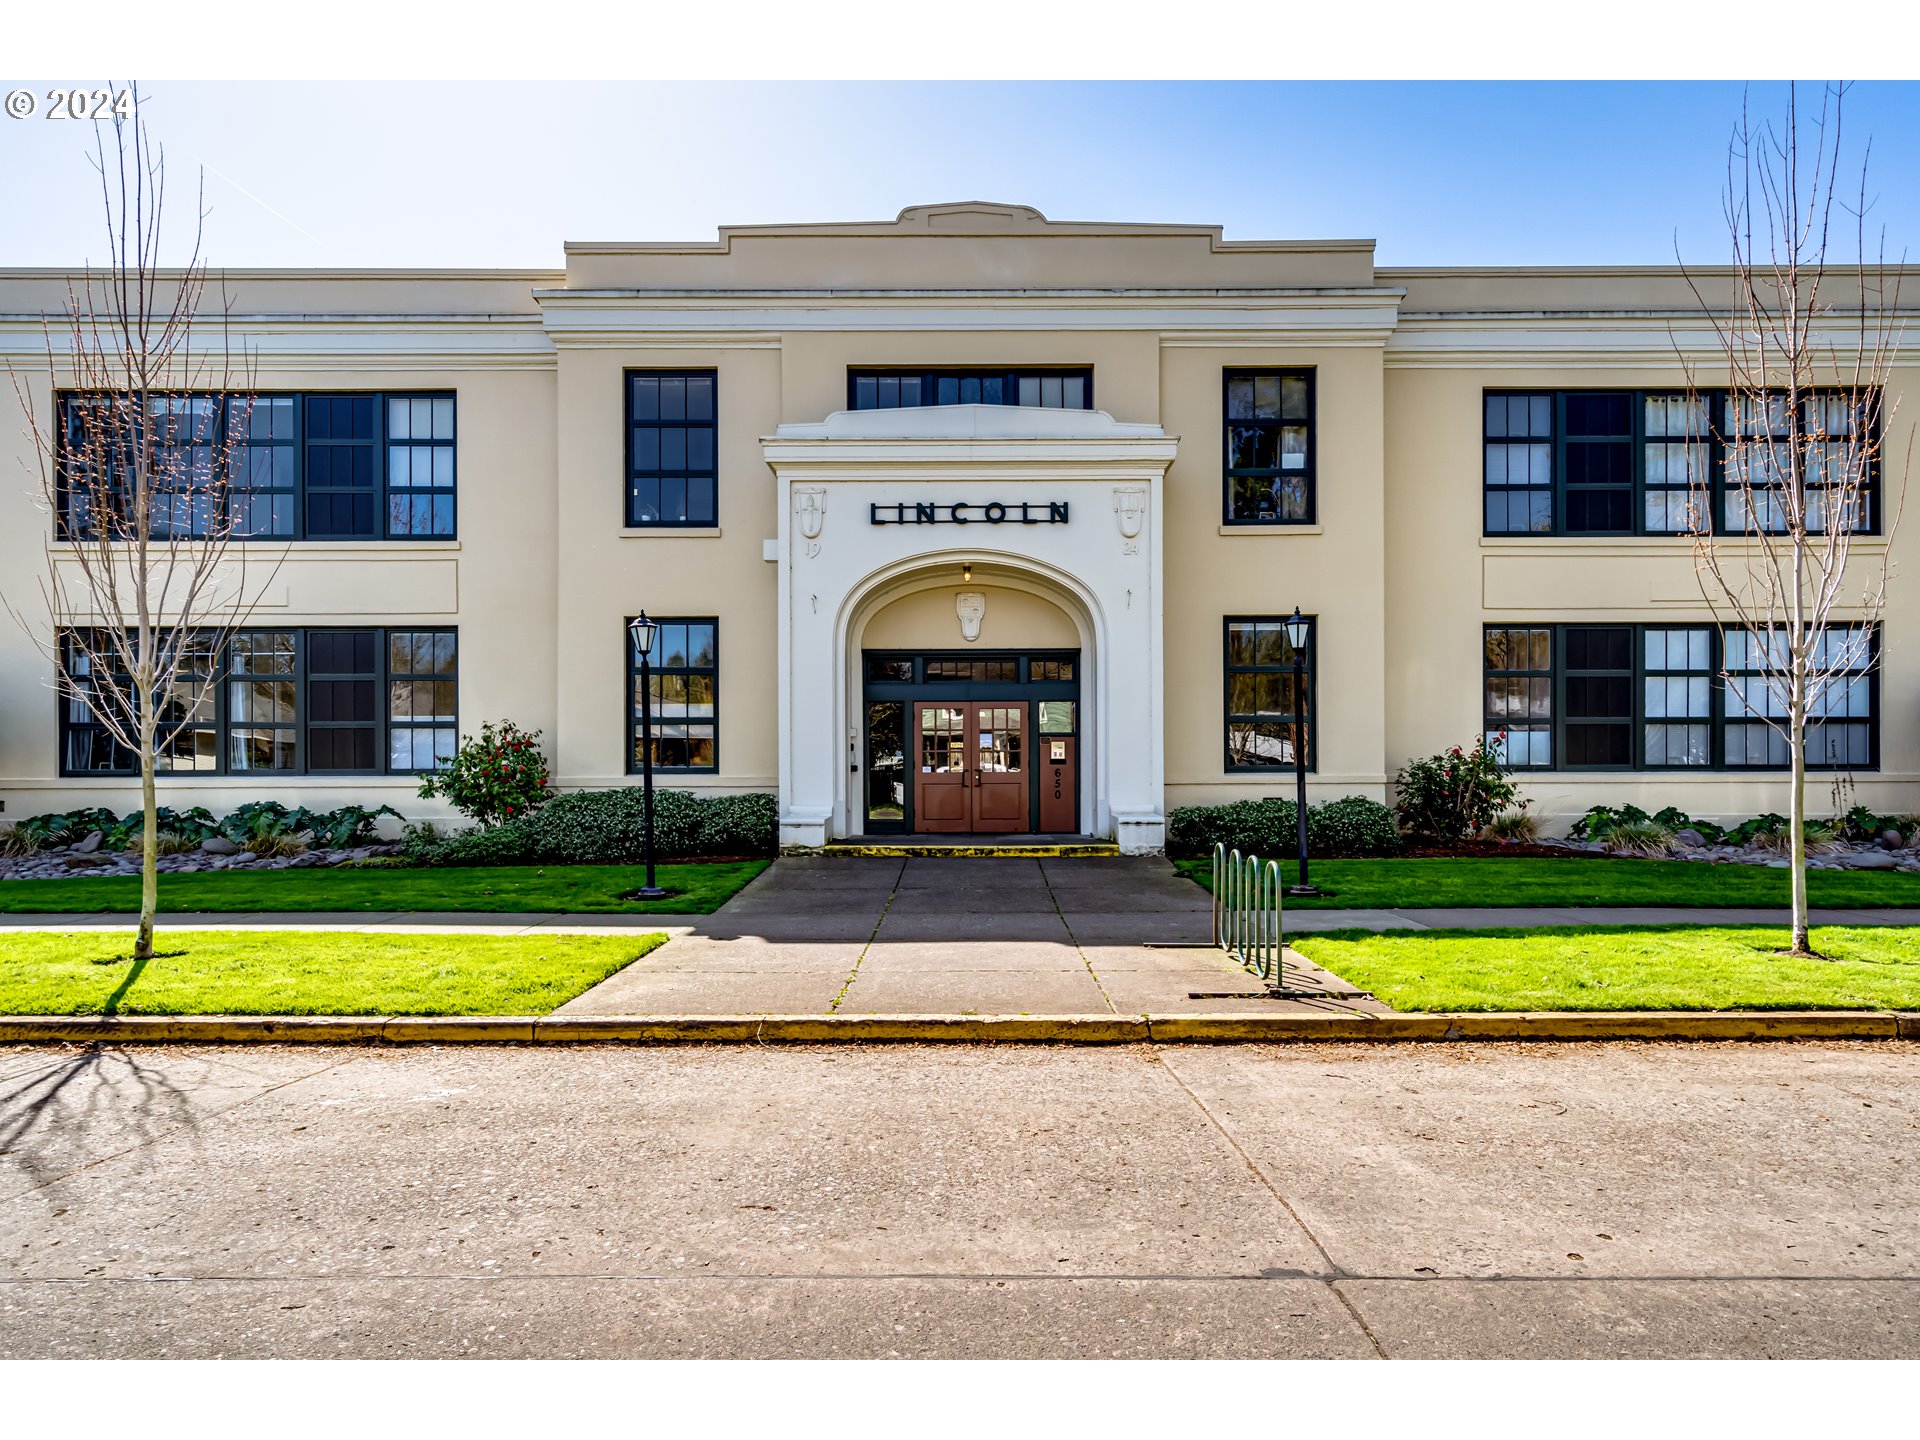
column 1315, row 529
column 295, row 549
column 670, row 532
column 1631, row 544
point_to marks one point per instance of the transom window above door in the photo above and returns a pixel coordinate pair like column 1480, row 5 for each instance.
column 896, row 389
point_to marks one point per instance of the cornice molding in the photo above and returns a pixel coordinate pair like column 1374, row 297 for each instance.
column 350, row 342
column 1543, row 339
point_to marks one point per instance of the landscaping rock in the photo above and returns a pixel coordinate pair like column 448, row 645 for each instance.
column 1779, row 864
column 1871, row 860
column 1890, row 839
column 90, row 844
column 1689, row 839
column 218, row 845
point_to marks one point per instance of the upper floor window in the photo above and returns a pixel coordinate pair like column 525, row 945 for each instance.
column 1649, row 462
column 1663, row 697
column 1267, row 716
column 1050, row 389
column 672, row 477
column 290, row 701
column 1269, row 447
column 360, row 466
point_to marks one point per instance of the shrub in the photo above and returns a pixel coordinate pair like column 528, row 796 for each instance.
column 1353, row 826
column 1766, row 829
column 607, row 827
column 277, row 845
column 1603, row 820
column 1454, row 795
column 15, row 842
column 1864, row 826
column 71, row 826
column 494, row 776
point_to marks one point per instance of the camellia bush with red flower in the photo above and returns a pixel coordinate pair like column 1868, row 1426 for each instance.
column 1453, row 795
column 496, row 775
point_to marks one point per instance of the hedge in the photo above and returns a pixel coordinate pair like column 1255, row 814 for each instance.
column 607, row 827
column 1353, row 826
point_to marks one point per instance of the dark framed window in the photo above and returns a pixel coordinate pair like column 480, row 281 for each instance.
column 1068, row 388
column 1269, row 447
column 685, row 681
column 1664, row 697
column 1654, row 462
column 420, row 465
column 314, row 466
column 1265, row 715
column 292, row 701
column 1519, row 693
column 343, row 473
column 672, row 441
column 423, row 699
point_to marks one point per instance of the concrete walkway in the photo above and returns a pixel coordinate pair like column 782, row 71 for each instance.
column 953, row 937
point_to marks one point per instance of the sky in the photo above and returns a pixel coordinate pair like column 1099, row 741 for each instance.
column 485, row 174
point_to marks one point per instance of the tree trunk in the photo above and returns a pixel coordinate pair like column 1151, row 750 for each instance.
column 1797, row 821
column 149, row 838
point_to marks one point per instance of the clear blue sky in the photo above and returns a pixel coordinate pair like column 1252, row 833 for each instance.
column 481, row 174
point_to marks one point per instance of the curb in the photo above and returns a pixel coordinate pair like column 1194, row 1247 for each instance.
column 957, row 1029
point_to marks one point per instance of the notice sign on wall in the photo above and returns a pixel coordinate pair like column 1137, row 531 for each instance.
column 963, row 512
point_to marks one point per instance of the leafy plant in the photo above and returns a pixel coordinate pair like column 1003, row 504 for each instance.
column 1862, row 825
column 607, row 827
column 495, row 776
column 71, row 826
column 1453, row 796
column 348, row 825
column 1760, row 827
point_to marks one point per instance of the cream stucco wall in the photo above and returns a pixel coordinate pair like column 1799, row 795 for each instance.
column 544, row 571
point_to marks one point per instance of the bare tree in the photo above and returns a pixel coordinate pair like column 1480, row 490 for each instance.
column 140, row 467
column 1808, row 336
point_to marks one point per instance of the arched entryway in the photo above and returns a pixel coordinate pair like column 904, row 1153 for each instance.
column 970, row 688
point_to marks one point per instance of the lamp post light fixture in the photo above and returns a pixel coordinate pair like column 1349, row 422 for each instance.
column 643, row 631
column 1298, row 628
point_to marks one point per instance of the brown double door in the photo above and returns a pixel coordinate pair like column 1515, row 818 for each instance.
column 972, row 771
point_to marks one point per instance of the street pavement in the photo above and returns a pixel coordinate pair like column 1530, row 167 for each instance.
column 1289, row 1201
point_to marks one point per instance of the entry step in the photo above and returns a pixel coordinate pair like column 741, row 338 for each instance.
column 1010, row 847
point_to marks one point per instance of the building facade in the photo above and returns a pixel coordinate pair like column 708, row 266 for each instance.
column 971, row 522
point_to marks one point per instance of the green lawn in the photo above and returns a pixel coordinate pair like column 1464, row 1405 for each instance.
column 279, row 972
column 694, row 889
column 1674, row 967
column 1481, row 882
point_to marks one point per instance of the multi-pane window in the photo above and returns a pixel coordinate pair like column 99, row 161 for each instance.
column 1050, row 389
column 685, row 679
column 1841, row 710
column 671, row 443
column 420, row 465
column 1519, row 694
column 1265, row 714
column 343, row 714
column 86, row 744
column 1677, row 695
column 270, row 466
column 184, row 430
column 265, row 434
column 1675, row 454
column 261, row 731
column 1518, row 464
column 290, row 701
column 1597, row 726
column 1649, row 462
column 1626, row 697
column 1269, row 447
column 423, row 694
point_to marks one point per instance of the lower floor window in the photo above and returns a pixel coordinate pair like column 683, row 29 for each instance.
column 1268, row 717
column 282, row 701
column 684, row 693
column 1662, row 697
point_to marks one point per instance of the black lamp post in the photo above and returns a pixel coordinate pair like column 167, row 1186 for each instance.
column 643, row 630
column 1298, row 627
